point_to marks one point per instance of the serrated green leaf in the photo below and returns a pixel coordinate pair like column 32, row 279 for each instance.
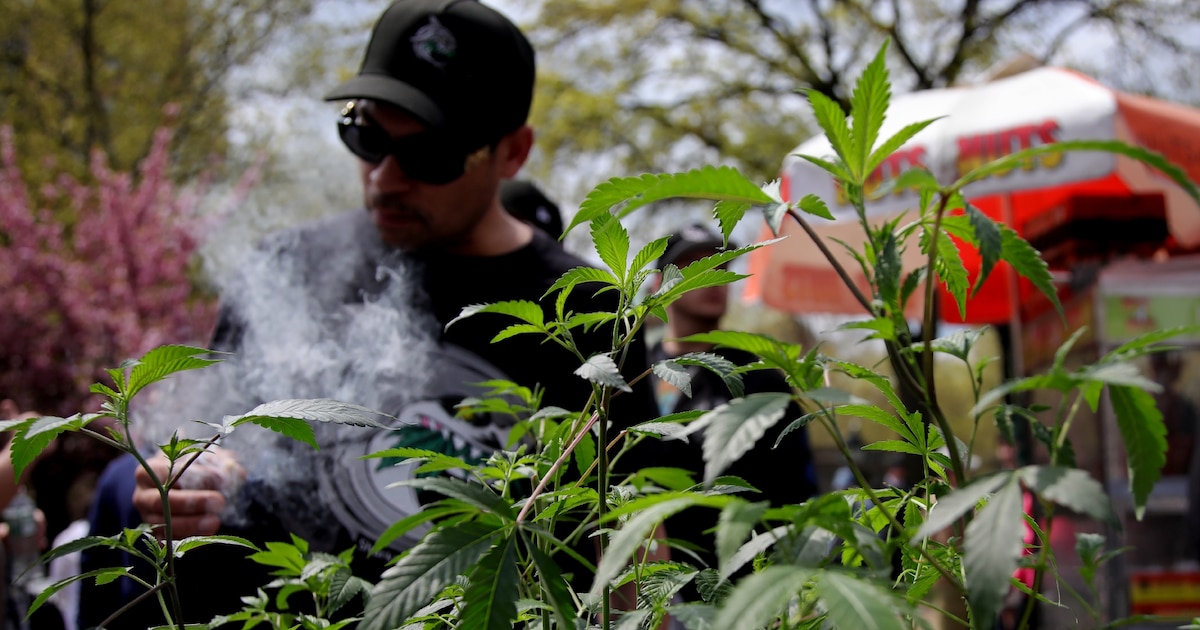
column 758, row 544
column 633, row 534
column 611, row 242
column 1072, row 488
column 715, row 183
column 888, row 269
column 736, row 522
column 514, row 330
column 711, row 586
column 664, row 429
column 1143, row 344
column 761, row 597
column 675, row 374
column 585, row 453
column 794, row 425
column 103, row 576
column 55, row 425
column 344, row 586
column 962, row 500
column 912, row 282
column 835, row 168
column 832, row 121
column 1118, row 373
column 602, row 370
column 424, row 571
column 894, row 446
column 994, row 543
column 718, row 365
column 554, row 587
column 868, row 106
column 524, row 310
column 772, row 351
column 471, row 493
column 881, row 417
column 185, row 545
column 1028, row 262
column 313, row 410
column 162, row 362
column 892, row 144
column 957, row 344
column 675, row 479
column 728, row 214
column 580, row 275
column 884, row 327
column 26, row 448
column 732, row 429
column 491, row 597
column 990, row 242
column 814, row 205
column 856, row 603
column 695, row 616
column 293, row 428
column 1151, row 158
column 651, row 252
column 1144, row 435
column 950, row 268
column 880, row 382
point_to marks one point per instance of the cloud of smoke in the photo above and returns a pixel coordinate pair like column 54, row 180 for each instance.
column 327, row 313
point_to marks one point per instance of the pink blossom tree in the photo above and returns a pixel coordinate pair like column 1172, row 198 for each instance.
column 92, row 273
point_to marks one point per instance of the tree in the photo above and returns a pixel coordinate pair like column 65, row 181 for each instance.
column 88, row 296
column 669, row 84
column 79, row 75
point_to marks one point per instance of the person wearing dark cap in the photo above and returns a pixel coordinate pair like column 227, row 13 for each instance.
column 783, row 475
column 524, row 200
column 437, row 119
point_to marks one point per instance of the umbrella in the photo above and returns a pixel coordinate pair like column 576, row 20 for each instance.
column 1079, row 206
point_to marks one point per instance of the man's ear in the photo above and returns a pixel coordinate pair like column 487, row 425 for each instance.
column 513, row 150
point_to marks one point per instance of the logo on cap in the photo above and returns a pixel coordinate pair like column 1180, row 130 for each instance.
column 434, row 43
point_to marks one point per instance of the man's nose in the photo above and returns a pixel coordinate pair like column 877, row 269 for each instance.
column 388, row 176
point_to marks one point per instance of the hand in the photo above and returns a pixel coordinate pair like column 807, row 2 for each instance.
column 196, row 500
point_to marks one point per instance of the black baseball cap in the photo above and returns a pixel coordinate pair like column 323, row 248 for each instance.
column 691, row 238
column 527, row 202
column 456, row 65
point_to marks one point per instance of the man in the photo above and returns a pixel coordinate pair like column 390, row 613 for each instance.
column 437, row 119
column 783, row 475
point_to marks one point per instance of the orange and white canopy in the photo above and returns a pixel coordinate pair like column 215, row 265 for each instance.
column 1051, row 200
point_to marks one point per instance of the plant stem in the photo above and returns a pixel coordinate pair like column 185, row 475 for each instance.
column 841, row 271
column 1040, row 571
column 557, row 464
column 1064, row 427
column 956, row 461
column 602, row 496
column 831, row 426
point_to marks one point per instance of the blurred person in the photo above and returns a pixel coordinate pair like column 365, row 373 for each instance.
column 432, row 157
column 783, row 475
column 524, row 200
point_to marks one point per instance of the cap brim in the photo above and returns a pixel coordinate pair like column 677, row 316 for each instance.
column 388, row 90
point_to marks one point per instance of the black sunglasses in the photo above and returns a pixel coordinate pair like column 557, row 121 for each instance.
column 427, row 157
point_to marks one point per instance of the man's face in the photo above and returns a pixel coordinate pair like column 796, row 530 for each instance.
column 415, row 215
column 706, row 303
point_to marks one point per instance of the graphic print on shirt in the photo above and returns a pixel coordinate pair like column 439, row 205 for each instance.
column 361, row 492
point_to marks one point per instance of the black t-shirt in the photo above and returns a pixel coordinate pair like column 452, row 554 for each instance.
column 355, row 503
column 784, row 475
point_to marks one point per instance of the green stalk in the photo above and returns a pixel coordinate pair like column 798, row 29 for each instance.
column 840, row 442
column 1040, row 570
